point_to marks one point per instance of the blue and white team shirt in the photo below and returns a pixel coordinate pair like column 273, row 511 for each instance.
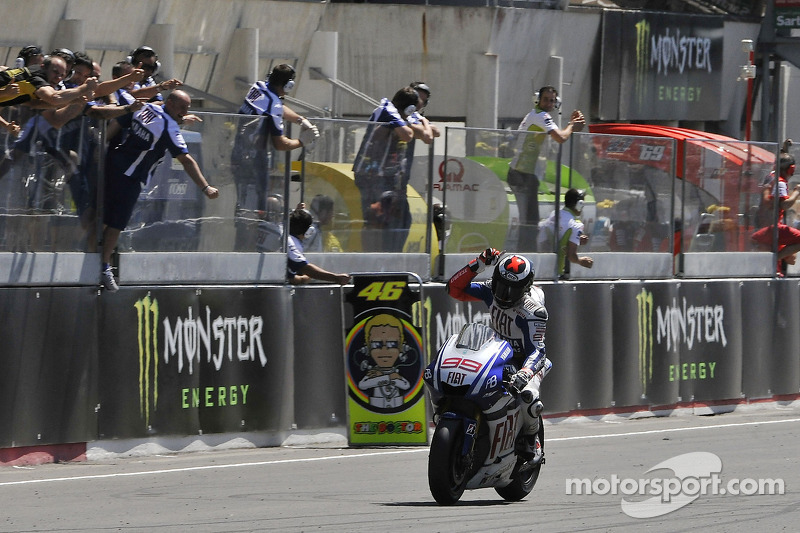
column 261, row 100
column 295, row 259
column 413, row 119
column 148, row 82
column 124, row 97
column 39, row 129
column 377, row 149
column 147, row 135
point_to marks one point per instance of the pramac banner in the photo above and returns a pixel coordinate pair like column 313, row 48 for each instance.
column 384, row 360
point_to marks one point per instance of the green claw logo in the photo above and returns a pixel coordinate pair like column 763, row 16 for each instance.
column 644, row 305
column 147, row 313
column 642, row 59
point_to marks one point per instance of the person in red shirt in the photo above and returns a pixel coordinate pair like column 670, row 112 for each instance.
column 788, row 236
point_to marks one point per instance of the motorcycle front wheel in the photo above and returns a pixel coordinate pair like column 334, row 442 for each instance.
column 447, row 467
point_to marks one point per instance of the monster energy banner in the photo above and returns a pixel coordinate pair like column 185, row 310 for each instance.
column 384, row 359
column 689, row 341
column 628, row 344
column 657, row 66
column 185, row 362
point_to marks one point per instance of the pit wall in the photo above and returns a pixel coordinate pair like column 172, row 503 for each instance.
column 157, row 362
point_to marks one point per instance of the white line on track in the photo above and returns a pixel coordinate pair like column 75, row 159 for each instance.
column 370, row 454
column 671, row 430
column 210, row 467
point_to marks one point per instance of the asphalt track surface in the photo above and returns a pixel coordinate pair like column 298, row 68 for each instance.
column 332, row 489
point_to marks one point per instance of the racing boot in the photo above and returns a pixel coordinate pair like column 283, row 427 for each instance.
column 532, row 446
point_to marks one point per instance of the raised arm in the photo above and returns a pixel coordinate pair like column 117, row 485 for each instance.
column 51, row 96
column 107, row 87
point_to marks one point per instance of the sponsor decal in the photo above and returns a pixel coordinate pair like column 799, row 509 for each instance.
column 673, row 51
column 505, row 432
column 642, row 59
column 188, row 342
column 679, row 324
column 384, row 363
column 387, row 428
column 644, row 306
column 451, row 177
column 147, row 320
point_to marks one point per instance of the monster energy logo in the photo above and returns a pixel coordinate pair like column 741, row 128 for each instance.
column 670, row 51
column 642, row 59
column 147, row 313
column 644, row 306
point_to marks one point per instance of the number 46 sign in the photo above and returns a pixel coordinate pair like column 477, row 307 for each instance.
column 384, row 361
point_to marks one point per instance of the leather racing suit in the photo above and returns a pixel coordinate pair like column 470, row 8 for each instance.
column 522, row 325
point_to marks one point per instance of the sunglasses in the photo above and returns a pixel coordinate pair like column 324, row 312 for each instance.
column 377, row 345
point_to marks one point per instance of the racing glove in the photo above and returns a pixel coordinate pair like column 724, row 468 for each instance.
column 488, row 257
column 307, row 137
column 520, row 380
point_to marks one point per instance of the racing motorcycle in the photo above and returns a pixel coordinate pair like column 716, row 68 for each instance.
column 478, row 440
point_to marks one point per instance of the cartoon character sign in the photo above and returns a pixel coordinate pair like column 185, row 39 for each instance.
column 384, row 360
column 384, row 342
column 384, row 367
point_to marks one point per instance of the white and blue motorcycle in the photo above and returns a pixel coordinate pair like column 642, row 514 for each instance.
column 478, row 440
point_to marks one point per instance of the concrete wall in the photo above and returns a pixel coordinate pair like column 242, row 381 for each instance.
column 464, row 53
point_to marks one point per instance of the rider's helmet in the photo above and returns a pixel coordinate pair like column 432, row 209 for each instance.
column 511, row 280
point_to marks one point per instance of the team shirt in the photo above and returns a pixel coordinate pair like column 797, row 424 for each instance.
column 149, row 82
column 261, row 100
column 28, row 80
column 570, row 229
column 124, row 97
column 146, row 137
column 37, row 128
column 413, row 118
column 269, row 237
column 378, row 154
column 782, row 189
column 295, row 259
column 529, row 146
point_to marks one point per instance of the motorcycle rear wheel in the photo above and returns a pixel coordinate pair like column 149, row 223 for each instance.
column 447, row 467
column 522, row 483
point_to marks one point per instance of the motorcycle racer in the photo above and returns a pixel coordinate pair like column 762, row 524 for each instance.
column 519, row 316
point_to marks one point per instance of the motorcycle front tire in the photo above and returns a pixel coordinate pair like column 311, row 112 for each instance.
column 447, row 467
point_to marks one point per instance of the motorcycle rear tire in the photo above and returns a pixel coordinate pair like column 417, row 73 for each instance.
column 447, row 467
column 522, row 484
